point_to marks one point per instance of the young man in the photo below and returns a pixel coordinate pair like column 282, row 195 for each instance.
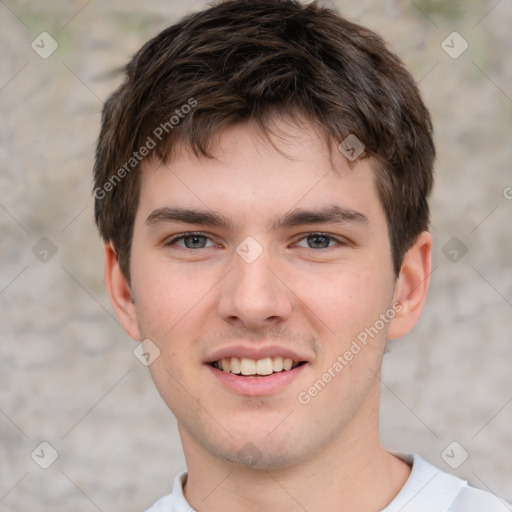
column 261, row 184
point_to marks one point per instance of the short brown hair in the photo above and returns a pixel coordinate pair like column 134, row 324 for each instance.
column 242, row 60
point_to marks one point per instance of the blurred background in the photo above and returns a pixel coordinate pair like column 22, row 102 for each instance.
column 69, row 378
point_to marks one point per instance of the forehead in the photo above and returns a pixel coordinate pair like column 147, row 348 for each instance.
column 250, row 176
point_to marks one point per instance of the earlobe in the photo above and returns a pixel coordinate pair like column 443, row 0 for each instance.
column 119, row 292
column 412, row 286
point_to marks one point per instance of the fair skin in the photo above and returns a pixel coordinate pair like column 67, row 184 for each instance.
column 250, row 444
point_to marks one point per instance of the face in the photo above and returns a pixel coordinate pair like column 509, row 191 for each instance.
column 249, row 264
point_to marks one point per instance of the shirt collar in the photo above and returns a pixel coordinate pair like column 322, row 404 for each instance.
column 428, row 489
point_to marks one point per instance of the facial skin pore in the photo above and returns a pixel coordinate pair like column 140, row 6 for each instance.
column 320, row 280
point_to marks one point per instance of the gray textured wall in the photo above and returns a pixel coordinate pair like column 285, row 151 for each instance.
column 68, row 374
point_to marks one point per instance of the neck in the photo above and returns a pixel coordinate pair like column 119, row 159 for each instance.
column 352, row 473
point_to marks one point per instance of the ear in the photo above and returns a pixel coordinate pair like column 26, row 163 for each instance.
column 120, row 293
column 412, row 286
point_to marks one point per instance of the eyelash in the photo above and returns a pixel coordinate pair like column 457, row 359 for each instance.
column 339, row 241
column 176, row 239
column 186, row 235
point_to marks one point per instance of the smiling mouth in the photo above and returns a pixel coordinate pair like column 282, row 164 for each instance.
column 255, row 367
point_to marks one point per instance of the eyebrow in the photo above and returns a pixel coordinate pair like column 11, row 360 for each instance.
column 329, row 214
column 168, row 214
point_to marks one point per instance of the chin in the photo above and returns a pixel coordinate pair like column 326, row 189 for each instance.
column 252, row 457
column 259, row 453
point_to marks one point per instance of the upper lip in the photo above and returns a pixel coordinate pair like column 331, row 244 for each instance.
column 256, row 353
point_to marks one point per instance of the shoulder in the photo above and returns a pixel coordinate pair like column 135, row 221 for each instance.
column 471, row 499
column 162, row 505
column 429, row 489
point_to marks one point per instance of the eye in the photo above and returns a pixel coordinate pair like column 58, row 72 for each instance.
column 191, row 241
column 319, row 241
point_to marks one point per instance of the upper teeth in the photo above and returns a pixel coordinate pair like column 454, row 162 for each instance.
column 247, row 366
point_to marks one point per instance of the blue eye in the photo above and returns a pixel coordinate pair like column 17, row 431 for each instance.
column 319, row 241
column 198, row 240
column 191, row 241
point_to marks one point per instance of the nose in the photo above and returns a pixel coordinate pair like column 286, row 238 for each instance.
column 254, row 294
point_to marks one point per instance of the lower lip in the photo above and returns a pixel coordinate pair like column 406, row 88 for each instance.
column 257, row 386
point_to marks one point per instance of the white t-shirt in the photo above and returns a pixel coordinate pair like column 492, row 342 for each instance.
column 427, row 489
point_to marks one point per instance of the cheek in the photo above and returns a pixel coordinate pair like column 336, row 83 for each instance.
column 167, row 297
column 170, row 304
column 348, row 300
